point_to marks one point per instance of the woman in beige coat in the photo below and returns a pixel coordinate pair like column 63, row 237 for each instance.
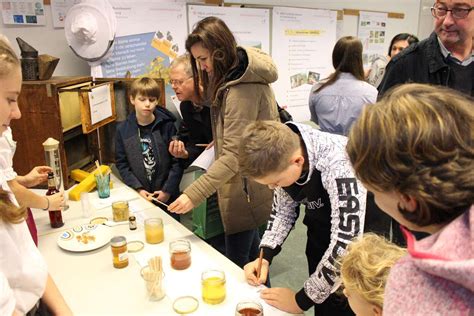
column 236, row 81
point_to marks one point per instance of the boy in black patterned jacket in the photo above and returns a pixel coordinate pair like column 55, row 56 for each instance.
column 310, row 167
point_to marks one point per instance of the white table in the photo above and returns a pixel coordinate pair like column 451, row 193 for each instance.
column 91, row 285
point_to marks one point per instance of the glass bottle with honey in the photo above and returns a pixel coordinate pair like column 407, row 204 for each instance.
column 55, row 216
column 119, row 251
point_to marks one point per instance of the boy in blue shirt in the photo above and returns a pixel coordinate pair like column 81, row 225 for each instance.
column 141, row 146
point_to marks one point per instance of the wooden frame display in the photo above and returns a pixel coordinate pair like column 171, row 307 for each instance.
column 86, row 118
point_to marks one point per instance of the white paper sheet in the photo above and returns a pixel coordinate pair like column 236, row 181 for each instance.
column 205, row 159
column 100, row 103
column 26, row 12
column 119, row 194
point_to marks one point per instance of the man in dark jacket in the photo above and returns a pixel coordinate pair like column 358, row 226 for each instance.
column 445, row 58
column 195, row 131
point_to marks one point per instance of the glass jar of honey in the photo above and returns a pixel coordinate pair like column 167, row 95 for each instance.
column 119, row 251
column 180, row 254
column 249, row 308
column 120, row 211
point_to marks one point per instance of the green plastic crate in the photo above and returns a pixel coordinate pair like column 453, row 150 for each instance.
column 207, row 222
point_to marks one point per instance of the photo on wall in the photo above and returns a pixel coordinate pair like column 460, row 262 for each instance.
column 313, row 77
column 298, row 80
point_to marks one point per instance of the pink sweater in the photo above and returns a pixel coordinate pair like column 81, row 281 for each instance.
column 437, row 276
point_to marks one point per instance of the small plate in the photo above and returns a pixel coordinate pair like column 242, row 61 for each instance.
column 84, row 238
column 98, row 220
column 185, row 304
column 135, row 246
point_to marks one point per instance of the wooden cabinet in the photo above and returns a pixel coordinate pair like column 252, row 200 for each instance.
column 42, row 117
column 51, row 108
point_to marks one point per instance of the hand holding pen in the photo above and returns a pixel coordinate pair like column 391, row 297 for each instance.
column 256, row 272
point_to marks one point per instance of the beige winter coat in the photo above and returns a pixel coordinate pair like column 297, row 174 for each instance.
column 239, row 102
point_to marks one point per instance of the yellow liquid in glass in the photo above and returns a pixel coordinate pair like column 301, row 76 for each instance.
column 154, row 234
column 213, row 290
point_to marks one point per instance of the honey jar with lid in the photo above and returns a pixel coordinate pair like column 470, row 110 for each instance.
column 119, row 251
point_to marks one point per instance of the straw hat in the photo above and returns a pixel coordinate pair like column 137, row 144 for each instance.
column 90, row 30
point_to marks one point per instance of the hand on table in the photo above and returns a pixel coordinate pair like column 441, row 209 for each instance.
column 36, row 176
column 282, row 298
column 177, row 149
column 181, row 205
column 250, row 270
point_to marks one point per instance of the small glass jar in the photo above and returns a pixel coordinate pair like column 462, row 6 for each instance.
column 180, row 254
column 248, row 308
column 213, row 286
column 119, row 251
column 154, row 233
column 132, row 222
column 120, row 211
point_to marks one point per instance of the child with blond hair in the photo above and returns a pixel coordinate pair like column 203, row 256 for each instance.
column 364, row 272
column 414, row 149
column 27, row 287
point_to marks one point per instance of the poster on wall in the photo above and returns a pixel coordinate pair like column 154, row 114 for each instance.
column 372, row 31
column 302, row 43
column 26, row 12
column 149, row 36
column 254, row 32
column 59, row 10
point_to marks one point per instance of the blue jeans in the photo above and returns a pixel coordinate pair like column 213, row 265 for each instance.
column 242, row 247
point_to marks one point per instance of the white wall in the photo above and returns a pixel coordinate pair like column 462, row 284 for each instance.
column 48, row 40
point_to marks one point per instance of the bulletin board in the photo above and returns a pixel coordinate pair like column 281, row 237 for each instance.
column 255, row 32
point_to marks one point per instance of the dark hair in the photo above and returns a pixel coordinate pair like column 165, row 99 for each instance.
column 410, row 38
column 346, row 57
column 214, row 35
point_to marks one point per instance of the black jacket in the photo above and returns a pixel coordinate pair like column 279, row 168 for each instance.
column 423, row 62
column 195, row 129
column 129, row 156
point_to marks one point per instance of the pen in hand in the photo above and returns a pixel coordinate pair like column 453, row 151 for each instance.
column 259, row 265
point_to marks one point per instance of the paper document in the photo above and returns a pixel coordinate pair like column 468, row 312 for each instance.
column 118, row 194
column 100, row 103
column 205, row 159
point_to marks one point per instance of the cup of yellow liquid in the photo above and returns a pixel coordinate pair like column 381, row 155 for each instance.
column 120, row 211
column 154, row 233
column 213, row 286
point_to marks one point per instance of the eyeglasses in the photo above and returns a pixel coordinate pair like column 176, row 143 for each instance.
column 457, row 13
column 178, row 83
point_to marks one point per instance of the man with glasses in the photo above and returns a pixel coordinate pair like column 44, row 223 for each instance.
column 445, row 58
column 195, row 130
